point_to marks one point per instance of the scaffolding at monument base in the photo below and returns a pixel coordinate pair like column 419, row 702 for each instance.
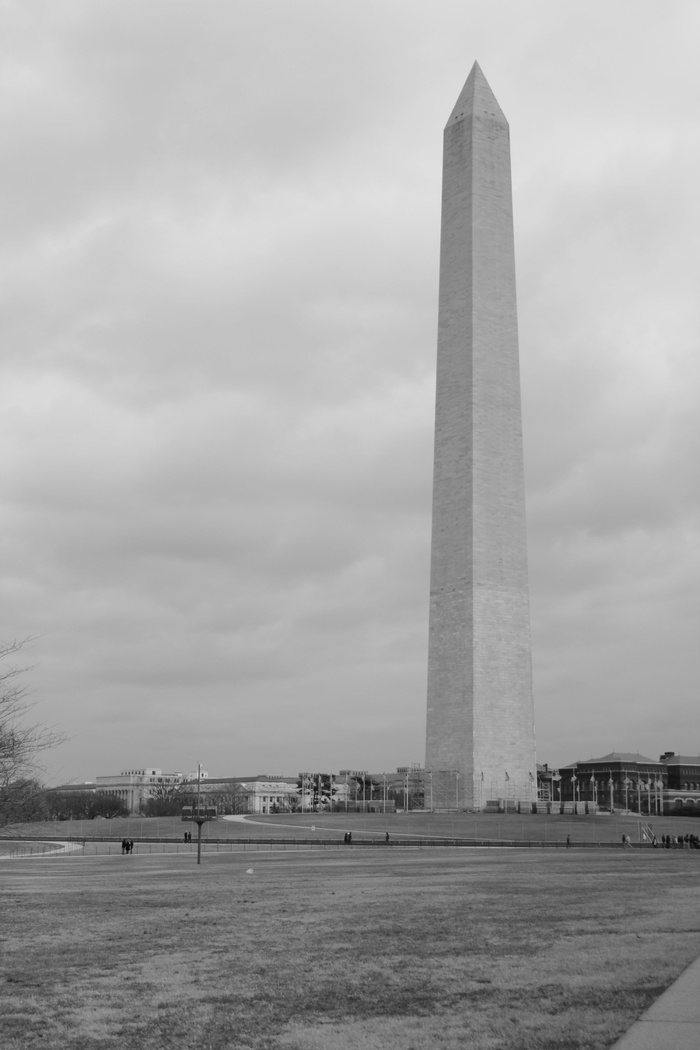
column 413, row 787
column 442, row 790
column 446, row 790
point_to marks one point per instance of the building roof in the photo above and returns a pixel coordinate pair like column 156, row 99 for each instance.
column 620, row 756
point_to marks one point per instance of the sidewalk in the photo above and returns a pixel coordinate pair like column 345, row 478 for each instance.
column 673, row 1021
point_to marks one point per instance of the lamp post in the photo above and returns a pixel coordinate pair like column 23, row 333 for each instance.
column 201, row 814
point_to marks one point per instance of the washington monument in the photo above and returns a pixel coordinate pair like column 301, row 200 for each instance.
column 480, row 726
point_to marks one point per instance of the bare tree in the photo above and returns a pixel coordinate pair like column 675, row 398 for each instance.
column 20, row 741
column 233, row 798
column 165, row 798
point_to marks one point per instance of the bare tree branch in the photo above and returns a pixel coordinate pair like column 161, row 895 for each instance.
column 20, row 742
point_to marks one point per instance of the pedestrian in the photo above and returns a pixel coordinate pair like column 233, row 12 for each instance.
column 568, row 841
column 386, row 837
column 349, row 838
column 123, row 846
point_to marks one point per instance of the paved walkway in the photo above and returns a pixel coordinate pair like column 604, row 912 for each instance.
column 673, row 1021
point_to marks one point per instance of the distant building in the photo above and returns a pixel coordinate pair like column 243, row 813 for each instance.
column 136, row 786
column 625, row 780
column 683, row 788
column 270, row 793
column 133, row 786
column 620, row 780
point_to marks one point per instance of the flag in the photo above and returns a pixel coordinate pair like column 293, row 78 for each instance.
column 531, row 777
column 507, row 777
column 482, row 776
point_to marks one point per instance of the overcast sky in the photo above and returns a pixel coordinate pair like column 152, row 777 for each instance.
column 218, row 277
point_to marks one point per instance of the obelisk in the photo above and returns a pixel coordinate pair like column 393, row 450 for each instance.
column 480, row 725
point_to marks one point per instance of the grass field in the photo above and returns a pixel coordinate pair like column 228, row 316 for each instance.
column 406, row 827
column 386, row 949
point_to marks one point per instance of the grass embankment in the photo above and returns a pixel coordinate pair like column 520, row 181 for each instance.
column 380, row 950
column 370, row 827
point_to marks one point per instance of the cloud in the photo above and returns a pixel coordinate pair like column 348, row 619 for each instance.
column 219, row 276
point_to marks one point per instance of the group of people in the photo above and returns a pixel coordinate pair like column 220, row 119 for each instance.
column 348, row 838
column 188, row 836
column 680, row 842
column 127, row 845
column 668, row 842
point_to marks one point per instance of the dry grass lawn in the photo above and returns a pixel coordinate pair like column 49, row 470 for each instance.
column 383, row 950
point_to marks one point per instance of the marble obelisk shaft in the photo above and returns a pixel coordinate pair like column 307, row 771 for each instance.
column 480, row 722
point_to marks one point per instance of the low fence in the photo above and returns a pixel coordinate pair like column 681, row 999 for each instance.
column 35, row 848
